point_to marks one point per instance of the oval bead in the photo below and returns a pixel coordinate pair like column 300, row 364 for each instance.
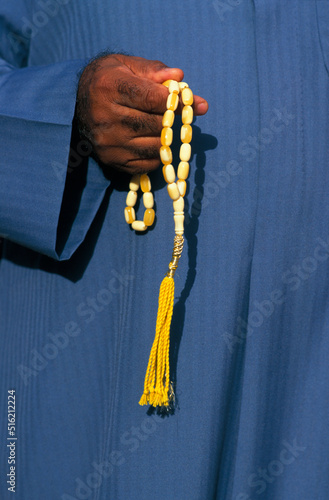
column 166, row 83
column 138, row 225
column 131, row 198
column 134, row 183
column 172, row 101
column 149, row 216
column 181, row 187
column 168, row 172
column 168, row 118
column 145, row 183
column 187, row 115
column 186, row 133
column 173, row 87
column 173, row 191
column 130, row 215
column 148, row 200
column 182, row 85
column 166, row 136
column 179, row 224
column 178, row 205
column 187, row 96
column 185, row 152
column 183, row 170
column 165, row 154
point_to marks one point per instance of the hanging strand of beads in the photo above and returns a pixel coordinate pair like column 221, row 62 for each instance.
column 158, row 390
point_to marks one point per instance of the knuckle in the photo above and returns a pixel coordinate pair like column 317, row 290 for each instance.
column 151, row 99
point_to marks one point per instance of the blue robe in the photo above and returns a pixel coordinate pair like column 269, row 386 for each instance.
column 79, row 289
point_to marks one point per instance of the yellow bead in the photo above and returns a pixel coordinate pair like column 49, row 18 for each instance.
column 173, row 87
column 178, row 205
column 172, row 101
column 185, row 152
column 168, row 118
column 149, row 217
column 166, row 83
column 187, row 96
column 181, row 187
column 131, row 198
column 166, row 136
column 173, row 191
column 187, row 115
column 186, row 133
column 148, row 200
column 134, row 183
column 165, row 154
column 182, row 85
column 145, row 183
column 138, row 225
column 183, row 170
column 168, row 172
column 179, row 224
column 130, row 215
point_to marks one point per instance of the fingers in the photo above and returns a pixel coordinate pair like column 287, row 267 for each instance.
column 200, row 106
column 121, row 101
column 151, row 69
column 139, row 156
column 149, row 97
column 141, row 94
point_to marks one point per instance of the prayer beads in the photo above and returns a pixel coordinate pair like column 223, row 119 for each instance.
column 176, row 189
column 143, row 182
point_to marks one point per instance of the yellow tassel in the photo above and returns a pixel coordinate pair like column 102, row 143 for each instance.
column 157, row 386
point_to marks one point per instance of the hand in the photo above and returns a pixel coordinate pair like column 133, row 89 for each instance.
column 120, row 104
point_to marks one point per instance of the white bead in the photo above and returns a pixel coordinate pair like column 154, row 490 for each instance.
column 182, row 85
column 173, row 191
column 131, row 198
column 165, row 154
column 169, row 173
column 145, row 183
column 148, row 200
column 183, row 170
column 178, row 205
column 130, row 215
column 138, row 225
column 187, row 96
column 181, row 187
column 187, row 115
column 172, row 101
column 179, row 224
column 173, row 87
column 168, row 118
column 134, row 183
column 185, row 152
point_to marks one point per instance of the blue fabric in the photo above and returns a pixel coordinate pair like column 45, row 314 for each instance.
column 250, row 334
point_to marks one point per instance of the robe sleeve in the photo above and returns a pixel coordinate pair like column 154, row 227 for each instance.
column 37, row 106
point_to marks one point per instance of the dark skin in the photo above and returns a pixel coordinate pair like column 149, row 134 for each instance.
column 120, row 104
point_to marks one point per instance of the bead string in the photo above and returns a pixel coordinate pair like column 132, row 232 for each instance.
column 176, row 189
column 158, row 388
